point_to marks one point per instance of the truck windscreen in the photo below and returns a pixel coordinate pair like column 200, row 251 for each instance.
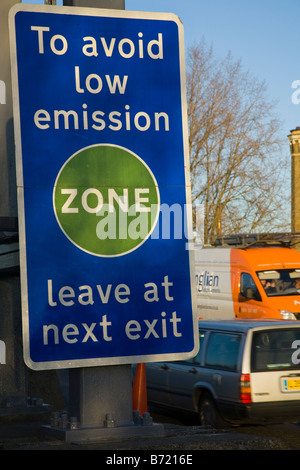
column 280, row 282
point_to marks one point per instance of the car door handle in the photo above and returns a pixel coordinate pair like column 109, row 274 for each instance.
column 217, row 378
column 165, row 367
column 193, row 370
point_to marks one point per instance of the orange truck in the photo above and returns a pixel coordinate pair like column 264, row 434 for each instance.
column 249, row 276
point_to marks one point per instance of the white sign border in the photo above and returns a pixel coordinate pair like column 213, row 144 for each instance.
column 83, row 11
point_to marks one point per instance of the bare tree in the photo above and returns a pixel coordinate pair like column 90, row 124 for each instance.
column 235, row 149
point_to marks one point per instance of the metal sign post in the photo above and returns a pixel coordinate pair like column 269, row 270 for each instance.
column 103, row 187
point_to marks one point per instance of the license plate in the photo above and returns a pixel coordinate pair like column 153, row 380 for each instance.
column 290, row 385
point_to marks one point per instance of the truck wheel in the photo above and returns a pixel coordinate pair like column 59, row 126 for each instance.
column 208, row 413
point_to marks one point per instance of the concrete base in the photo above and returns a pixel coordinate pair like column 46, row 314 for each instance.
column 81, row 436
column 100, row 408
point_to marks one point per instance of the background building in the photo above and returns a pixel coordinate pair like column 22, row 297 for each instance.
column 294, row 139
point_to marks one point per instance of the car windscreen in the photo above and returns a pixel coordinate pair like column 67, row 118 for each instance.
column 277, row 349
column 280, row 282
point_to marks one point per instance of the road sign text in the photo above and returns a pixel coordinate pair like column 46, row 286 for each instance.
column 126, row 47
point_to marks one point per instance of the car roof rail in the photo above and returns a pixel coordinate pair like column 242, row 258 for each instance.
column 287, row 239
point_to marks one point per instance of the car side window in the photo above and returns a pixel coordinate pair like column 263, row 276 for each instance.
column 222, row 350
column 201, row 341
column 248, row 287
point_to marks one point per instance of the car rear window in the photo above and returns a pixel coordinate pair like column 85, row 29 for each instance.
column 275, row 350
column 222, row 351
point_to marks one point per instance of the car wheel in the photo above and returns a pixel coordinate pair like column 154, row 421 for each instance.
column 208, row 413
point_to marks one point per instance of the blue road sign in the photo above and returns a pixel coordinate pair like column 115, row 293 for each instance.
column 103, row 186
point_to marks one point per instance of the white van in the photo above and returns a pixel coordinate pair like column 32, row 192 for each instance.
column 254, row 279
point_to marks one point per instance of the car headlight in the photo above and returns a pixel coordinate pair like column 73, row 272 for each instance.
column 287, row 315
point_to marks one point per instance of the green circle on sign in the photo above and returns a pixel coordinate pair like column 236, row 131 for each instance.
column 106, row 200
